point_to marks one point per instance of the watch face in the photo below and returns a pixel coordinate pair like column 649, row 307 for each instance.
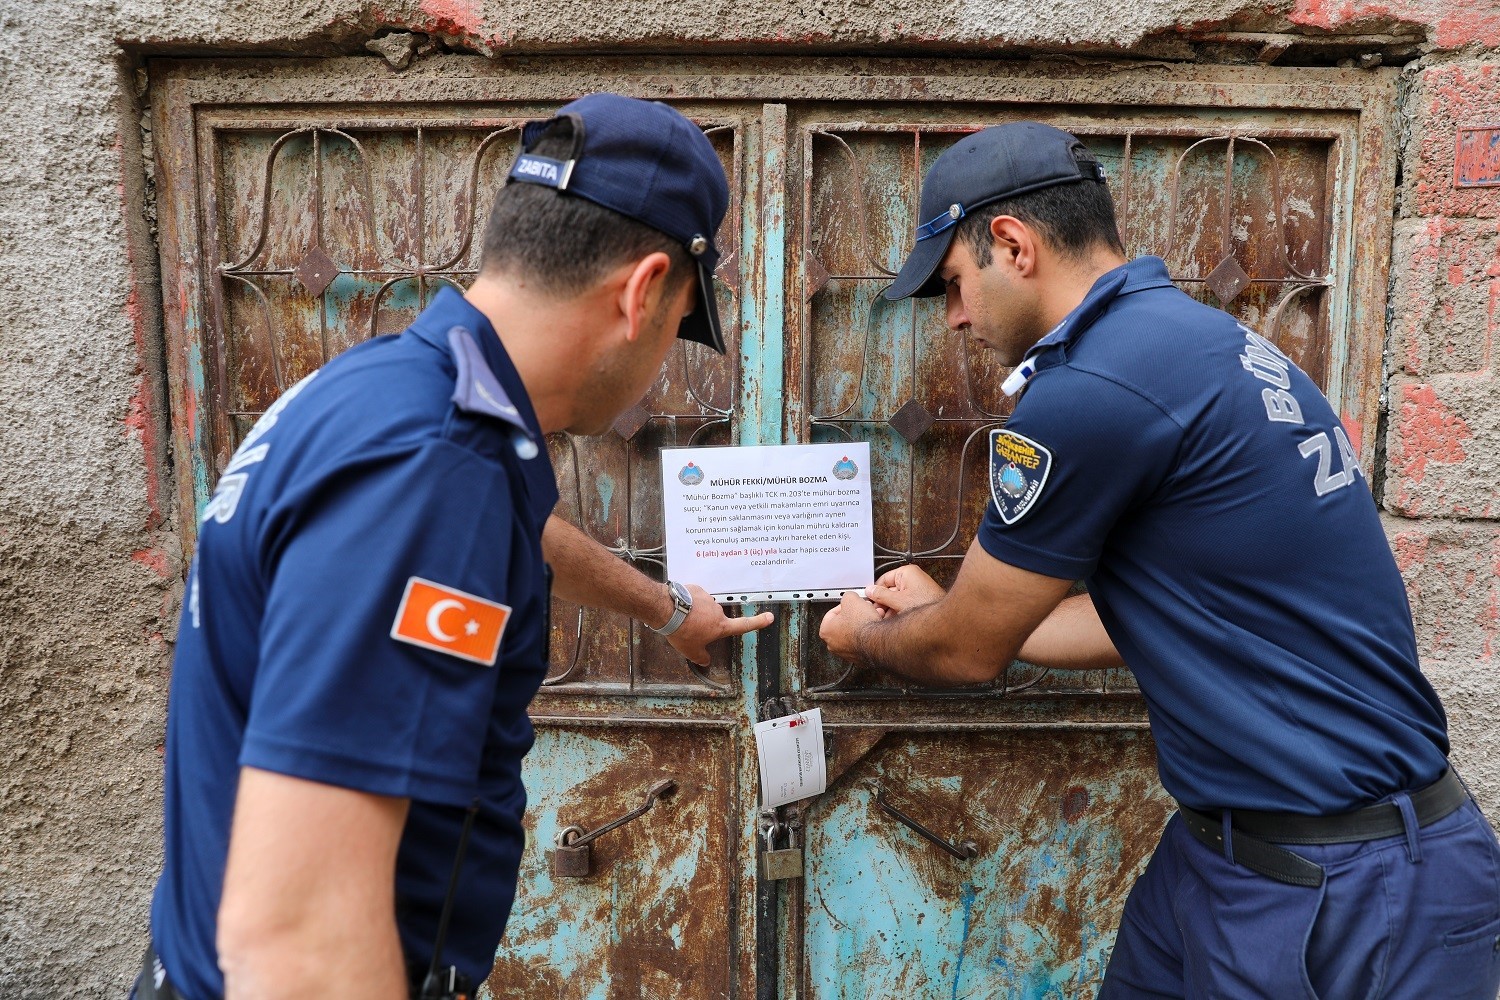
column 680, row 594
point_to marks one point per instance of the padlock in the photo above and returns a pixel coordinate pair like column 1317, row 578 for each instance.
column 780, row 863
column 570, row 860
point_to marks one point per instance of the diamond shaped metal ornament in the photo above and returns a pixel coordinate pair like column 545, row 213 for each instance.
column 816, row 276
column 1227, row 280
column 317, row 270
column 912, row 421
column 629, row 423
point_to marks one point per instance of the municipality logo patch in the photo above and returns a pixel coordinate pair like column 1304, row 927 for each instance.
column 1018, row 471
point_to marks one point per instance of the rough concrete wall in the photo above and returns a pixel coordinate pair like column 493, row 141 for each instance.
column 89, row 568
column 87, row 579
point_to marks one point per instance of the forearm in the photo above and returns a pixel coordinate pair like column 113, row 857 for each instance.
column 315, row 952
column 1072, row 638
column 585, row 572
column 922, row 645
column 309, row 892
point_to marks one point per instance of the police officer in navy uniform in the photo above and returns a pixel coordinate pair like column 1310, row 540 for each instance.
column 1202, row 486
column 365, row 619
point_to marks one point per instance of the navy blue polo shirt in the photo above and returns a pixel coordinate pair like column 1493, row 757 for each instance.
column 367, row 609
column 1202, row 486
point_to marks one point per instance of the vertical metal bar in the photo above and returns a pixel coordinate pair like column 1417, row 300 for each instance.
column 800, row 411
column 421, row 224
column 763, row 354
column 911, row 446
column 317, row 157
column 1228, row 198
column 213, row 349
column 317, row 152
column 188, row 217
column 1342, row 237
column 633, row 641
column 762, row 360
column 767, row 893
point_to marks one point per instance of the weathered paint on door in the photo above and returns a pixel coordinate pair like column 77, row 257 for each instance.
column 305, row 206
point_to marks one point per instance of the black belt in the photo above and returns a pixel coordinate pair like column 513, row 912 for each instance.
column 1254, row 834
column 149, row 987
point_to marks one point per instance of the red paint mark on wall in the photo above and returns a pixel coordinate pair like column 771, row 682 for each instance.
column 140, row 418
column 154, row 560
column 1449, row 23
column 1429, row 432
column 453, row 17
column 1410, row 549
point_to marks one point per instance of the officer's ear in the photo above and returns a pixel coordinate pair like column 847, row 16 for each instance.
column 641, row 294
column 1013, row 245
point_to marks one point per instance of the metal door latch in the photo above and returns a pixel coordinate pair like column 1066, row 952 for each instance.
column 573, row 855
column 780, row 863
column 964, row 850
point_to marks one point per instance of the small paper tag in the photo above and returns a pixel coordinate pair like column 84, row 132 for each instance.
column 791, row 758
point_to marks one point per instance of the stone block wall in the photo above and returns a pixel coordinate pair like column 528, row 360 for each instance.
column 1442, row 474
column 90, row 569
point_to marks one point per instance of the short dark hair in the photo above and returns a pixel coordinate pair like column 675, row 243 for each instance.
column 1074, row 218
column 563, row 244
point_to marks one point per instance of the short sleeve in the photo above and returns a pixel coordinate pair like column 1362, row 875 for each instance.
column 1079, row 453
column 338, row 698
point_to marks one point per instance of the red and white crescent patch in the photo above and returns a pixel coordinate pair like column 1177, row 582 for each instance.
column 450, row 621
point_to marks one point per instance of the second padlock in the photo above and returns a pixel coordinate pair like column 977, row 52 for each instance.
column 571, row 860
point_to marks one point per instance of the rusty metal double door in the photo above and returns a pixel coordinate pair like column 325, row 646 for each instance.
column 972, row 843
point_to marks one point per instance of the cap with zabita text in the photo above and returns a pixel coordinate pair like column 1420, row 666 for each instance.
column 646, row 161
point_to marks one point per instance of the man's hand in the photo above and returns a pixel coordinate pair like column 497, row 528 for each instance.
column 966, row 636
column 902, row 588
column 708, row 623
column 841, row 625
column 587, row 573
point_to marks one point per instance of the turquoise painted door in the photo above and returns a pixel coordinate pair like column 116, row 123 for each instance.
column 972, row 843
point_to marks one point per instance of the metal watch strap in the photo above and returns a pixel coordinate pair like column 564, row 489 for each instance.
column 679, row 614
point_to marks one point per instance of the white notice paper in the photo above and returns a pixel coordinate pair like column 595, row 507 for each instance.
column 771, row 523
column 791, row 758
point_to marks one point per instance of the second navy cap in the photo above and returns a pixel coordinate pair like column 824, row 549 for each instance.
column 987, row 166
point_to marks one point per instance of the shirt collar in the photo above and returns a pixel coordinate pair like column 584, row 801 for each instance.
column 1134, row 276
column 486, row 383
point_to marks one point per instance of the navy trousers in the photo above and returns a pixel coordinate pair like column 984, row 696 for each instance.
column 1413, row 917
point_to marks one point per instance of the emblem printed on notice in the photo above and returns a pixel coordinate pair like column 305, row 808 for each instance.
column 1018, row 471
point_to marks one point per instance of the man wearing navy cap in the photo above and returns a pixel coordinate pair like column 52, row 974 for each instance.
column 365, row 618
column 1202, row 486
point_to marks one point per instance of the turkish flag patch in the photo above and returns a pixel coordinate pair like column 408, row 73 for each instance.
column 450, row 621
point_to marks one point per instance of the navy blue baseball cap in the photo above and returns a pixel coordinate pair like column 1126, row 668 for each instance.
column 649, row 163
column 985, row 167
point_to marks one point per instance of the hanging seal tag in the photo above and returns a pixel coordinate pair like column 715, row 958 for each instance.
column 792, row 765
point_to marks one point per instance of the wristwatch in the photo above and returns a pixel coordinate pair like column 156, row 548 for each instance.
column 682, row 603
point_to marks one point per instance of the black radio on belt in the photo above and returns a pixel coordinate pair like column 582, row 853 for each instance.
column 445, row 984
column 448, row 983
